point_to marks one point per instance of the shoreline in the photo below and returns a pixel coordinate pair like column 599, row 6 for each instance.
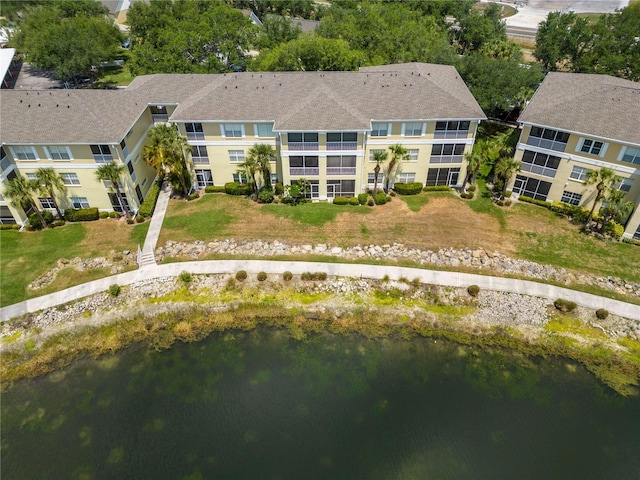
column 162, row 311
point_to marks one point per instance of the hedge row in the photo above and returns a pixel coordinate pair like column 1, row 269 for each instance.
column 235, row 188
column 149, row 204
column 34, row 220
column 82, row 214
column 413, row 188
column 214, row 189
column 437, row 188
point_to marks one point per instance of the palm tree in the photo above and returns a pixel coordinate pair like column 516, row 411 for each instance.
column 262, row 155
column 603, row 180
column 379, row 156
column 21, row 191
column 113, row 172
column 506, row 168
column 398, row 153
column 250, row 167
column 166, row 153
column 474, row 162
column 616, row 208
column 50, row 182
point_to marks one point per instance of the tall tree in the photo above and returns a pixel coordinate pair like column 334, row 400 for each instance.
column 262, row 155
column 50, row 182
column 250, row 168
column 604, row 179
column 166, row 153
column 112, row 172
column 616, row 208
column 474, row 162
column 21, row 192
column 476, row 29
column 379, row 156
column 505, row 169
column 398, row 153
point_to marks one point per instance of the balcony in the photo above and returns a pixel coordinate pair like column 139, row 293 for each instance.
column 451, row 134
column 301, row 146
column 160, row 117
column 341, row 170
column 303, row 171
column 545, row 143
column 342, row 145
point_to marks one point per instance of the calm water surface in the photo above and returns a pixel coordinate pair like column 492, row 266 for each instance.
column 260, row 405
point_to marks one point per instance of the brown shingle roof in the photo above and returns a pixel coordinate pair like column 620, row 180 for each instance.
column 293, row 100
column 598, row 105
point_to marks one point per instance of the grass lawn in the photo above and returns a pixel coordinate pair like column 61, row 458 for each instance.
column 27, row 255
column 415, row 202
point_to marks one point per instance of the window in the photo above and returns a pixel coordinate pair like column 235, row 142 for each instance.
column 119, row 204
column 579, row 173
column 139, row 194
column 636, row 236
column 235, row 130
column 264, row 130
column 101, row 153
column 592, row 147
column 302, row 141
column 571, row 198
column 132, row 172
column 31, row 176
column 194, row 131
column 274, row 178
column 412, row 129
column 342, row 141
column 547, row 138
column 24, row 153
column 123, row 146
column 240, row 178
column 47, row 202
column 299, row 165
column 442, row 176
column 406, row 177
column 70, row 178
column 144, row 182
column 631, row 155
column 236, row 156
column 531, row 187
column 341, row 165
column 373, row 152
column 108, row 184
column 55, row 152
column 540, row 163
column 625, row 184
column 314, row 189
column 371, row 178
column 5, row 162
column 5, row 215
column 341, row 188
column 204, row 178
column 380, row 129
column 413, row 154
column 199, row 155
column 447, row 153
column 452, row 129
column 79, row 202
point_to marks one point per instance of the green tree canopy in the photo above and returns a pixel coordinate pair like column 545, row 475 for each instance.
column 166, row 153
column 276, row 30
column 112, row 172
column 477, row 28
column 68, row 36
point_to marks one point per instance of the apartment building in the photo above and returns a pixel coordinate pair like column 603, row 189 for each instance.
column 576, row 123
column 324, row 127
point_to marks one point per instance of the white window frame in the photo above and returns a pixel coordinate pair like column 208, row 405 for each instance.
column 107, row 184
column 197, row 132
column 590, row 146
column 375, row 127
column 625, row 185
column 49, row 151
column 101, row 157
column 236, row 156
column 240, row 177
column 31, row 176
column 80, row 202
column 371, row 178
column 70, row 178
column 582, row 173
column 571, row 198
column 413, row 129
column 406, row 177
column 412, row 154
column 373, row 150
column 232, row 127
column 26, row 151
column 258, row 126
column 46, row 203
column 198, row 159
column 634, row 153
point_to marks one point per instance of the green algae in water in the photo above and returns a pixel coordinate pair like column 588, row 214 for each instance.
column 260, row 404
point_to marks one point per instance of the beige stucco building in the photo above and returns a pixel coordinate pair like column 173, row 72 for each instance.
column 576, row 123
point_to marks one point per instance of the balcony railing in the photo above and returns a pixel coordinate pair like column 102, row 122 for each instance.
column 540, row 170
column 451, row 134
column 303, row 146
column 341, row 170
column 304, row 171
column 548, row 144
column 160, row 117
column 195, row 135
column 342, row 145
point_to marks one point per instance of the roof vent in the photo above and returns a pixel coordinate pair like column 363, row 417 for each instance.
column 29, row 105
column 236, row 86
column 20, row 100
column 57, row 105
column 39, row 105
column 68, row 106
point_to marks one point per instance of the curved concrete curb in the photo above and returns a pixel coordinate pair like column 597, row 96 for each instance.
column 452, row 279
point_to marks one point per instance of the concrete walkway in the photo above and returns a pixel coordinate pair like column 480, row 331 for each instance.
column 151, row 240
column 453, row 279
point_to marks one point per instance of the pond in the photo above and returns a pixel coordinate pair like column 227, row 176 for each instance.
column 261, row 405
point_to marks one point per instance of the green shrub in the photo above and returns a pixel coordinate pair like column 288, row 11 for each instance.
column 388, row 198
column 466, row 195
column 235, row 188
column 287, row 276
column 471, row 188
column 104, row 215
column 9, row 226
column 473, row 290
column 602, row 313
column 114, row 215
column 130, row 221
column 340, row 200
column 541, row 203
column 380, row 198
column 508, row 194
column 614, row 229
column 214, row 189
column 265, row 196
column 313, row 276
column 149, row 203
column 507, row 203
column 437, row 188
column 412, row 188
column 34, row 220
column 278, row 189
column 185, row 277
column 262, row 276
column 82, row 214
column 193, row 196
column 140, row 219
column 362, row 198
column 114, row 290
column 371, row 202
column 500, row 203
column 631, row 241
column 58, row 223
column 565, row 305
column 353, row 201
column 241, row 275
